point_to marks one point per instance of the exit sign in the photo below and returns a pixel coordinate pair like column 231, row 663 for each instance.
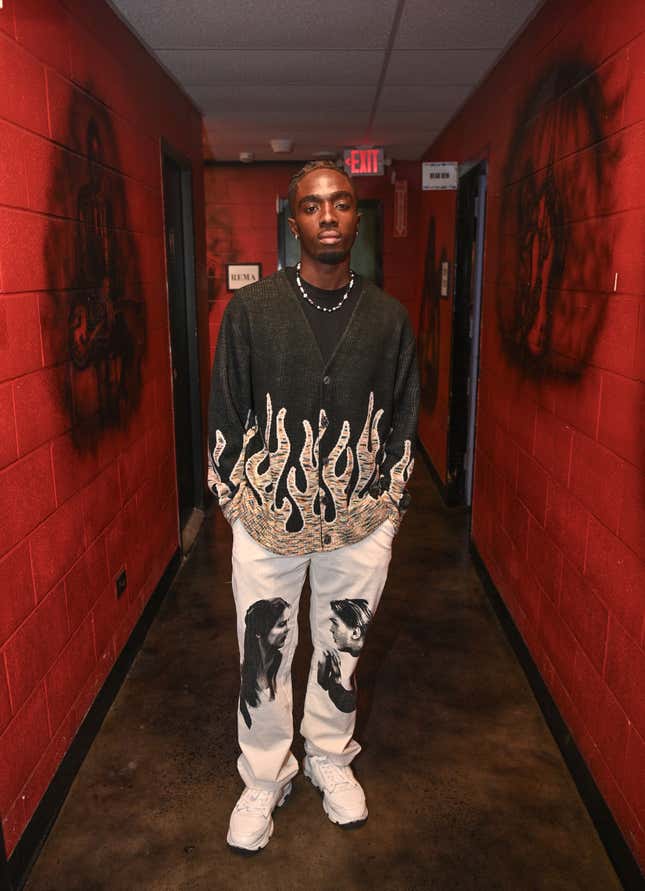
column 364, row 161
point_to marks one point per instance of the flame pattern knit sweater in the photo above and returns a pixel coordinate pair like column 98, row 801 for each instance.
column 311, row 455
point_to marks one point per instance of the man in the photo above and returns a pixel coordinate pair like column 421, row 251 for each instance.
column 312, row 421
column 349, row 622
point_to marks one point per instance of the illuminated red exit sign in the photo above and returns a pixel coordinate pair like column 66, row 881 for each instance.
column 364, row 161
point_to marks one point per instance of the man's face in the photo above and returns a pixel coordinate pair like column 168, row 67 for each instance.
column 278, row 634
column 349, row 640
column 326, row 216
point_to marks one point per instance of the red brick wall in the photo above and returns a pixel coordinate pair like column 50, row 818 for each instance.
column 241, row 227
column 559, row 499
column 86, row 437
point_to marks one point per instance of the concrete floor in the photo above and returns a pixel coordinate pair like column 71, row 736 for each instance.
column 466, row 788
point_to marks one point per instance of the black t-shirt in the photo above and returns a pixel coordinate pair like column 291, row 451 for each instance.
column 328, row 327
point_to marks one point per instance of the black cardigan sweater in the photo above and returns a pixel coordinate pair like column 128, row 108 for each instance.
column 309, row 455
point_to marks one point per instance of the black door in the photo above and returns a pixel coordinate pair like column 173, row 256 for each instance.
column 465, row 331
column 179, row 337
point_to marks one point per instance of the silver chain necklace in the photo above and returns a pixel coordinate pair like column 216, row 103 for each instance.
column 313, row 303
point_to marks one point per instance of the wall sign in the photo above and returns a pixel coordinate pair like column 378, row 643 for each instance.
column 401, row 208
column 439, row 175
column 364, row 161
column 242, row 274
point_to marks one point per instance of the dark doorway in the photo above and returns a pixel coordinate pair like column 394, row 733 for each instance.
column 471, row 205
column 367, row 253
column 180, row 264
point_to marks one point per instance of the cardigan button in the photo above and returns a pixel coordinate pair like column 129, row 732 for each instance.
column 327, row 539
column 326, row 380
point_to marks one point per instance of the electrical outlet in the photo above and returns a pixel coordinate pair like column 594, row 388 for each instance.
column 121, row 583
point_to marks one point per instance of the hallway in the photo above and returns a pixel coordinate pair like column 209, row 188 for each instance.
column 466, row 787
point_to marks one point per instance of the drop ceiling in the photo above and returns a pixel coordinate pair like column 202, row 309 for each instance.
column 325, row 74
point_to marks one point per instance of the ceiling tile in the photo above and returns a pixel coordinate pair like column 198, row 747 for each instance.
column 336, row 141
column 408, row 151
column 222, row 151
column 439, row 66
column 416, row 97
column 286, row 123
column 455, row 24
column 273, row 67
column 295, row 99
column 385, row 135
column 411, row 119
column 230, row 24
column 245, row 142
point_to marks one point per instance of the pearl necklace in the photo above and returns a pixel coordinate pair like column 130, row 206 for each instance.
column 313, row 303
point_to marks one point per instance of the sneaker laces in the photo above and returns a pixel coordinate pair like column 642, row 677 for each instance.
column 255, row 801
column 335, row 774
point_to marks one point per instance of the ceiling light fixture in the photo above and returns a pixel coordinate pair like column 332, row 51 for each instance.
column 281, row 146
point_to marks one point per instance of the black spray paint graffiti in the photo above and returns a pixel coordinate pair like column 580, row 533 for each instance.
column 554, row 268
column 106, row 329
column 96, row 262
column 221, row 249
column 429, row 343
column 265, row 634
column 349, row 621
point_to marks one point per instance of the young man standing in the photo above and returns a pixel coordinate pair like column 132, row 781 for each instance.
column 312, row 422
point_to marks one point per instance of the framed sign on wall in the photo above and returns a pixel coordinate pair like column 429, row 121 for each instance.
column 240, row 274
column 440, row 175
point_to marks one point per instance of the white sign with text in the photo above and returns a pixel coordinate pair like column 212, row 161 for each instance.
column 242, row 274
column 439, row 175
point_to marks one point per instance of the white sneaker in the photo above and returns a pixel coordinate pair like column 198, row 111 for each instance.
column 343, row 796
column 251, row 824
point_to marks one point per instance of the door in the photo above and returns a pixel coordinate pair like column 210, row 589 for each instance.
column 183, row 334
column 367, row 253
column 471, row 200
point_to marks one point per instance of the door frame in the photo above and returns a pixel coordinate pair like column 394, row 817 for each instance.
column 190, row 287
column 460, row 487
column 478, row 285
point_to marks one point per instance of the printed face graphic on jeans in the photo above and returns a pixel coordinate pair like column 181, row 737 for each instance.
column 265, row 634
column 349, row 621
column 348, row 626
column 278, row 634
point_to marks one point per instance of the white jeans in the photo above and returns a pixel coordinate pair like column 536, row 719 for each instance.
column 346, row 586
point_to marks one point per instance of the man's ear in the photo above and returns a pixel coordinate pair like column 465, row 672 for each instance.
column 293, row 226
column 356, row 634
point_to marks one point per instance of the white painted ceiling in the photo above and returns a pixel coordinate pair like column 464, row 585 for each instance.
column 325, row 74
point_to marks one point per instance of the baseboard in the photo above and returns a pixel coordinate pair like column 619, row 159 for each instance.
column 618, row 850
column 5, row 883
column 191, row 529
column 447, row 491
column 39, row 826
